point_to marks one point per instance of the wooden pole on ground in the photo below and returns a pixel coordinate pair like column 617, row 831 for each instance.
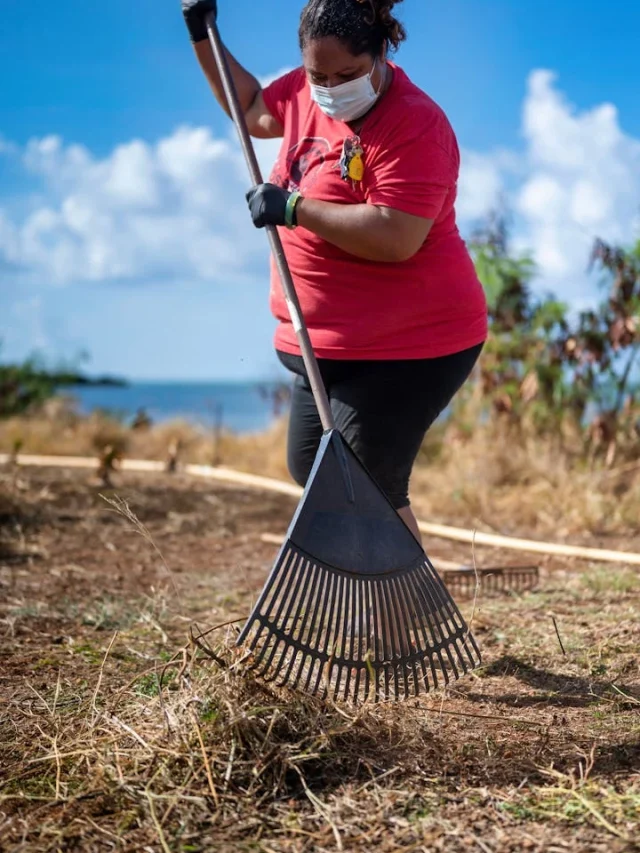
column 440, row 531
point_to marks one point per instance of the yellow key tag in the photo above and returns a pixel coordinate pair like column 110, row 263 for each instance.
column 356, row 166
column 352, row 161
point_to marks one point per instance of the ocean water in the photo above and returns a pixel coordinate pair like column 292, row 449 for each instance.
column 240, row 406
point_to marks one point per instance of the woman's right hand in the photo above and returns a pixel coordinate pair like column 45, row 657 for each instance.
column 195, row 16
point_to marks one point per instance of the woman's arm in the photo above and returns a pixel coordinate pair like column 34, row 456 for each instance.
column 260, row 122
column 369, row 231
column 365, row 230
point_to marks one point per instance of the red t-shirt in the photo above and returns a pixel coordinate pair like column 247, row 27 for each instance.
column 429, row 306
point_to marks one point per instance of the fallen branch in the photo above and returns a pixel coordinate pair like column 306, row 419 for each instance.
column 533, row 546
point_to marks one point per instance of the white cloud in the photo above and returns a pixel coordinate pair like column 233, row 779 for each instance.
column 584, row 181
column 577, row 178
column 481, row 184
column 174, row 209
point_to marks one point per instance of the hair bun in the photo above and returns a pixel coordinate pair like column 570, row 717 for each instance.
column 382, row 15
column 365, row 26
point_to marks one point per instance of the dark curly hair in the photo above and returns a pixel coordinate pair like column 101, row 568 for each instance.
column 363, row 26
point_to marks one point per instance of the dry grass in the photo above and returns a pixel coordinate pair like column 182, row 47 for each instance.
column 497, row 481
column 59, row 430
column 123, row 726
column 510, row 484
column 222, row 762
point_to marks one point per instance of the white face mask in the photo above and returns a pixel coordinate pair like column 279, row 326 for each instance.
column 349, row 100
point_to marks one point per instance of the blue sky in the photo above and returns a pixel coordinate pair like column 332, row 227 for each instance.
column 122, row 225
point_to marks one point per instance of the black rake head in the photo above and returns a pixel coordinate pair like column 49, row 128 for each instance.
column 353, row 608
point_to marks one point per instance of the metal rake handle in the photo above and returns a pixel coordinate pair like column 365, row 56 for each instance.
column 302, row 333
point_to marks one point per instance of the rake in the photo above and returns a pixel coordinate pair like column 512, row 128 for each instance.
column 502, row 579
column 352, row 608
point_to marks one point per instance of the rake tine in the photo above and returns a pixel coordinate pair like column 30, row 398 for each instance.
column 437, row 637
column 298, row 598
column 315, row 628
column 377, row 652
column 428, row 643
column 410, row 622
column 342, row 588
column 375, row 642
column 402, row 581
column 396, row 638
column 348, row 638
column 326, row 632
column 281, row 617
column 473, row 658
column 379, row 643
column 409, row 665
column 271, row 592
column 307, row 628
column 352, row 658
column 402, row 638
column 350, row 627
column 268, row 645
column 404, row 620
column 316, row 585
column 342, row 636
column 261, row 607
column 357, row 640
column 302, row 617
column 368, row 609
column 445, row 599
column 429, row 607
column 322, row 631
column 357, row 626
column 442, row 609
column 333, row 670
column 387, row 649
column 379, row 631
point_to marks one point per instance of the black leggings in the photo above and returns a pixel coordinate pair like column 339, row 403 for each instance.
column 383, row 409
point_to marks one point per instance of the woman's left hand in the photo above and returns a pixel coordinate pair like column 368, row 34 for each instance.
column 268, row 205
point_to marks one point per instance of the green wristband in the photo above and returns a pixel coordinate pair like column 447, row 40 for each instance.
column 290, row 210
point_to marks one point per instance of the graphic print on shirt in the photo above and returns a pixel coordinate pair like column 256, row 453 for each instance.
column 304, row 162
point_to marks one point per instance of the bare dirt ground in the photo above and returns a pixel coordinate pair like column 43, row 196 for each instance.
column 118, row 733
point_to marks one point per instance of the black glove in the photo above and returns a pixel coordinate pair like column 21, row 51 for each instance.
column 268, row 205
column 195, row 12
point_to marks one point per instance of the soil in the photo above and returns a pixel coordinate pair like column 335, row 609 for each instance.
column 538, row 750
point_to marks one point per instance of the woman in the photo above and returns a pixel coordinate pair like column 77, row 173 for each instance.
column 364, row 188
